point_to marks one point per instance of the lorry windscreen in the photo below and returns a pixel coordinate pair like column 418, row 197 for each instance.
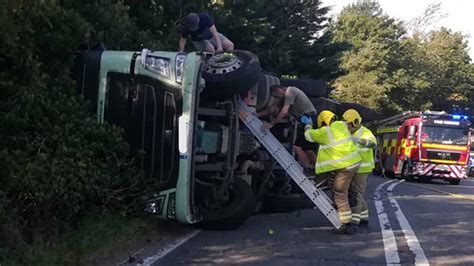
column 444, row 135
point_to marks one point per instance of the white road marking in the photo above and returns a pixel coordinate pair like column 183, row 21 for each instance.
column 152, row 259
column 389, row 241
column 410, row 237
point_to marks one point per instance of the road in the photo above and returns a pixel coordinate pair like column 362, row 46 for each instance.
column 422, row 224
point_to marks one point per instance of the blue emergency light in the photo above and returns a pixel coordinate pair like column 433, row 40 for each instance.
column 459, row 117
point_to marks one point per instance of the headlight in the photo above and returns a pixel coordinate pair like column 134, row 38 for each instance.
column 158, row 65
column 171, row 210
column 179, row 67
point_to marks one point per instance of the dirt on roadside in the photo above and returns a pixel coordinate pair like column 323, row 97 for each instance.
column 134, row 251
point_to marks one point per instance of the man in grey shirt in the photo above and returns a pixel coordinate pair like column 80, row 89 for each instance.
column 297, row 104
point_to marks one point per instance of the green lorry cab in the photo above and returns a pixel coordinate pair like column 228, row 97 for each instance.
column 179, row 111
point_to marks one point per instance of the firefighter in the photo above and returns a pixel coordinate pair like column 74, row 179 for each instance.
column 366, row 143
column 338, row 157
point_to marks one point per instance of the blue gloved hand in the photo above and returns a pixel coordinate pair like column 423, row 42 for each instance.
column 360, row 141
column 306, row 120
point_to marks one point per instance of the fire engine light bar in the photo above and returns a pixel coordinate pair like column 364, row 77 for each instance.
column 459, row 117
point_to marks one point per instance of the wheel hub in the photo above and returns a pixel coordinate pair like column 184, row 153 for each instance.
column 223, row 63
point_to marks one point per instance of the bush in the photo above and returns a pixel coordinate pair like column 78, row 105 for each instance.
column 57, row 162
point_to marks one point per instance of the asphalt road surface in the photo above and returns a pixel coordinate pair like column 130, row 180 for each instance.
column 410, row 223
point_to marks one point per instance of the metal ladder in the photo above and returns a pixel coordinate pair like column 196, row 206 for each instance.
column 288, row 162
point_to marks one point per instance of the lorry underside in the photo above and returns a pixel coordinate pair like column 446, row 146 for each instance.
column 228, row 175
column 179, row 111
column 233, row 174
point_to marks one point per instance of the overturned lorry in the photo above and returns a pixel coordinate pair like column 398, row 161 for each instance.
column 181, row 111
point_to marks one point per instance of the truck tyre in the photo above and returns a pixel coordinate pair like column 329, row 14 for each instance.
column 387, row 165
column 454, row 182
column 406, row 174
column 286, row 202
column 240, row 207
column 231, row 73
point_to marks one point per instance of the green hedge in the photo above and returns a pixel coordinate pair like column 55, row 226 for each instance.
column 56, row 163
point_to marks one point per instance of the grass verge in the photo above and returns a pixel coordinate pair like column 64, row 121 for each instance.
column 93, row 236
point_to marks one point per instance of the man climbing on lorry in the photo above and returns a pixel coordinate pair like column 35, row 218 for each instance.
column 204, row 34
column 337, row 157
column 296, row 104
column 366, row 142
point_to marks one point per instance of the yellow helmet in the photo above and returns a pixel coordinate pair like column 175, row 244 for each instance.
column 325, row 117
column 352, row 116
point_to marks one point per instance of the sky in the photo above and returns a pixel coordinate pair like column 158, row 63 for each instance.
column 459, row 13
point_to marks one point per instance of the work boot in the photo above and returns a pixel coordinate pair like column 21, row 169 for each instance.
column 347, row 229
column 309, row 172
column 364, row 223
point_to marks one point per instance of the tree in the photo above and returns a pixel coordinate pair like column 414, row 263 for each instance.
column 285, row 34
column 433, row 72
column 371, row 38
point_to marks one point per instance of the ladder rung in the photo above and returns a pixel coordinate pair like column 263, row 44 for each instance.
column 288, row 163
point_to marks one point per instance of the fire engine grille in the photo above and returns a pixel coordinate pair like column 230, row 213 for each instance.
column 443, row 155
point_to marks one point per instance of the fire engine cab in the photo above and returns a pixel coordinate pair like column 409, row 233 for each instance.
column 424, row 145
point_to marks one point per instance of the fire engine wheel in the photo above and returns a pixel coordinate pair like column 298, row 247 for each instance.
column 406, row 173
column 236, row 211
column 231, row 73
column 454, row 182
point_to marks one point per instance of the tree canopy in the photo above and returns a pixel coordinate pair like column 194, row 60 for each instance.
column 391, row 71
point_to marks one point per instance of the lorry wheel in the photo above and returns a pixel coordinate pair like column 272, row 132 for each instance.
column 240, row 207
column 286, row 202
column 231, row 73
column 454, row 182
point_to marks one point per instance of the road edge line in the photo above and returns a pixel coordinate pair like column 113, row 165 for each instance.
column 152, row 259
column 388, row 237
column 454, row 195
column 409, row 234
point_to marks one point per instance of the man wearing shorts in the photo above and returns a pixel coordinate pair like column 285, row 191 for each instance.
column 203, row 34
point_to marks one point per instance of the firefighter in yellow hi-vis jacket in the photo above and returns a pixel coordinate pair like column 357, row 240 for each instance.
column 337, row 156
column 366, row 143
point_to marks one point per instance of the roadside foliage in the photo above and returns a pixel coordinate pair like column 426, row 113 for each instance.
column 391, row 69
column 58, row 165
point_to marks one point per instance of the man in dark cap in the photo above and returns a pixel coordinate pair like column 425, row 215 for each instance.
column 204, row 34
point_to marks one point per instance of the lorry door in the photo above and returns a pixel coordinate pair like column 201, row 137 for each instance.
column 148, row 110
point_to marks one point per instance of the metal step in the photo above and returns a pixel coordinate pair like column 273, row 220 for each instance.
column 288, row 162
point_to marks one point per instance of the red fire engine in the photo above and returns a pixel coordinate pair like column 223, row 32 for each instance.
column 424, row 145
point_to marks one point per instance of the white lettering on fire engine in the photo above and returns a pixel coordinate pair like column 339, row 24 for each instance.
column 445, row 122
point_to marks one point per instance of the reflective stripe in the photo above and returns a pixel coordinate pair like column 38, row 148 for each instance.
column 307, row 136
column 365, row 164
column 332, row 144
column 353, row 166
column 364, row 149
column 350, row 156
column 328, row 132
column 364, row 215
column 355, row 215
